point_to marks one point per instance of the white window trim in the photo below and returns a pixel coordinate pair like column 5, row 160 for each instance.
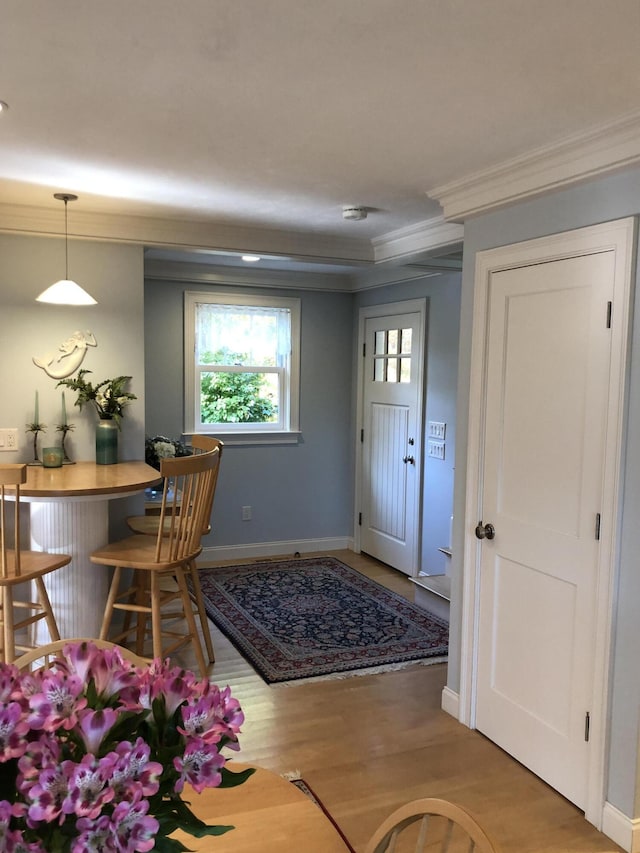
column 241, row 433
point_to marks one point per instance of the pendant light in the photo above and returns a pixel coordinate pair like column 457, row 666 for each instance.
column 65, row 291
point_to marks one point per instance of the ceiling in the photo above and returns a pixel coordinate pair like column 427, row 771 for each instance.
column 252, row 123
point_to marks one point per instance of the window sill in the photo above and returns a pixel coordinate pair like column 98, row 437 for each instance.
column 245, row 439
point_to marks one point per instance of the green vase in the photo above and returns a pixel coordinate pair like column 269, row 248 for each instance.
column 106, row 442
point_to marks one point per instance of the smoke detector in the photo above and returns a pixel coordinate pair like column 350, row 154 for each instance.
column 355, row 213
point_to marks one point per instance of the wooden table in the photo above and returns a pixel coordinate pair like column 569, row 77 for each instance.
column 69, row 514
column 270, row 815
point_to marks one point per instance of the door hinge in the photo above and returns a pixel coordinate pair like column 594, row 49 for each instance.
column 609, row 311
column 364, row 350
column 361, row 436
column 598, row 526
column 587, row 723
column 360, row 519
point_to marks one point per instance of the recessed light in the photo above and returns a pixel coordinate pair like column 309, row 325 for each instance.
column 251, row 259
column 3, row 107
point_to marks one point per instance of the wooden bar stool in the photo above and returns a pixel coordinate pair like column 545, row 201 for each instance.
column 161, row 563
column 18, row 566
column 149, row 525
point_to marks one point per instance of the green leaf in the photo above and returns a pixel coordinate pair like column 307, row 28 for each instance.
column 169, row 845
column 232, row 780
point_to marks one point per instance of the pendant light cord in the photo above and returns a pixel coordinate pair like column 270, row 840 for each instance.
column 66, row 241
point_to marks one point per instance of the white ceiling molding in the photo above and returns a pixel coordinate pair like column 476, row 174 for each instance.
column 602, row 150
column 424, row 236
column 183, row 234
column 157, row 270
column 372, row 277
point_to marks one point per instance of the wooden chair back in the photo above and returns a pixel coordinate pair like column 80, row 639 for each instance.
column 44, row 655
column 189, row 484
column 204, row 444
column 436, row 825
column 11, row 475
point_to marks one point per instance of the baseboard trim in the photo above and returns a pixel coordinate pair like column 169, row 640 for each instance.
column 624, row 830
column 450, row 702
column 256, row 550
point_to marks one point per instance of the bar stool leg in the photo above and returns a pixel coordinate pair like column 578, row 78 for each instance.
column 191, row 622
column 204, row 621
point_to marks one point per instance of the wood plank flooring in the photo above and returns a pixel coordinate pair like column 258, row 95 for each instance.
column 367, row 744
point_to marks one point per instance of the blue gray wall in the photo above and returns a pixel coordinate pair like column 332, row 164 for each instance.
column 598, row 201
column 306, row 491
column 113, row 274
column 302, row 491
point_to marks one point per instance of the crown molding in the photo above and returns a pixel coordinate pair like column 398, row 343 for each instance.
column 183, row 234
column 157, row 270
column 424, row 236
column 600, row 151
column 193, row 235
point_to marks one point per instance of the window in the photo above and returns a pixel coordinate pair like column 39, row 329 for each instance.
column 241, row 364
column 392, row 356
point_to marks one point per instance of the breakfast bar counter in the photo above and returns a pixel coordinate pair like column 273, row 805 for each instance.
column 69, row 514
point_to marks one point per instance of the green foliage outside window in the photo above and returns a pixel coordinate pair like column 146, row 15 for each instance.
column 234, row 398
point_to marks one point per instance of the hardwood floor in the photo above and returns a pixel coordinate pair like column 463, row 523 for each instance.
column 367, row 744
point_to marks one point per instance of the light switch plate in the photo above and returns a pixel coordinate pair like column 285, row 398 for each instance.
column 437, row 429
column 9, row 439
column 435, row 449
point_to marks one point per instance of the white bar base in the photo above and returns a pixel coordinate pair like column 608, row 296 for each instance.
column 78, row 591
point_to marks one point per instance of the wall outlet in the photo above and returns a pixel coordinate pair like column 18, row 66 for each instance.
column 9, row 439
column 246, row 513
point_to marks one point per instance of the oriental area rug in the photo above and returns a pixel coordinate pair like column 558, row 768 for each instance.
column 316, row 617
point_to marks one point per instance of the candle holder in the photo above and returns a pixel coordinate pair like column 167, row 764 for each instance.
column 35, row 428
column 64, row 429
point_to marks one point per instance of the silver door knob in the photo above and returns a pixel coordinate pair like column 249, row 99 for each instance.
column 485, row 531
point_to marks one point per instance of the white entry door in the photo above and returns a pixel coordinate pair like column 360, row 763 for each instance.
column 547, row 393
column 392, row 439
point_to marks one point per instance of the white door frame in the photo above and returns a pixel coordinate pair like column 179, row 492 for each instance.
column 618, row 236
column 409, row 306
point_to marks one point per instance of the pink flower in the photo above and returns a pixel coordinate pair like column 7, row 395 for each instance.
column 58, row 702
column 200, row 766
column 111, row 673
column 13, row 728
column 47, row 794
column 134, row 829
column 88, row 786
column 94, row 740
column 212, row 717
column 161, row 681
column 96, row 836
column 94, row 725
column 133, row 770
column 9, row 682
column 39, row 755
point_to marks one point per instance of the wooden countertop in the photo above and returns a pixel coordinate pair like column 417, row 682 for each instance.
column 87, row 478
column 270, row 815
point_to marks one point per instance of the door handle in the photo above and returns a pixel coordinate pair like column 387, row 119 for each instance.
column 485, row 531
column 409, row 459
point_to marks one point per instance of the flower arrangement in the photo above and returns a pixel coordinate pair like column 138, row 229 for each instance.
column 95, row 753
column 159, row 447
column 108, row 396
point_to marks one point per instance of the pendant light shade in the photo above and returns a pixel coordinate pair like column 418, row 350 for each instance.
column 65, row 291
